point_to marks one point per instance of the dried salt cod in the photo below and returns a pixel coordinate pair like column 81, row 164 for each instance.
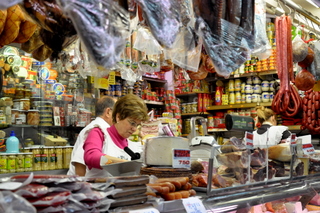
column 102, row 26
column 163, row 19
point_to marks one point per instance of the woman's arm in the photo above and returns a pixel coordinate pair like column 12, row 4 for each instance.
column 93, row 148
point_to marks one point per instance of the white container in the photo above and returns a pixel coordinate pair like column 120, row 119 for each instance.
column 271, row 96
column 248, row 98
column 254, row 98
column 237, row 85
column 265, row 97
column 231, row 85
column 257, row 89
column 249, row 80
column 243, row 98
column 259, row 97
column 243, row 86
column 256, row 80
column 248, row 89
column 265, row 86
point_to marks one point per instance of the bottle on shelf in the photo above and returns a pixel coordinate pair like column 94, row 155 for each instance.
column 12, row 143
column 218, row 96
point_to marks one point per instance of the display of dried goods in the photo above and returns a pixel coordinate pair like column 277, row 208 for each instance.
column 11, row 28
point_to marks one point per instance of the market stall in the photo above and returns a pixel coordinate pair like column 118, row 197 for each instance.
column 204, row 69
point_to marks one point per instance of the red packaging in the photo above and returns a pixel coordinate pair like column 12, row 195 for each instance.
column 200, row 102
column 204, row 102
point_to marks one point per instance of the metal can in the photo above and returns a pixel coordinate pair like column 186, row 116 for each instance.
column 36, row 159
column 11, row 163
column 28, row 162
column 59, row 156
column 52, row 158
column 4, row 163
column 20, row 162
column 210, row 122
column 44, row 159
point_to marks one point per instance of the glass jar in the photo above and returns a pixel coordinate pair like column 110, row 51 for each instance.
column 25, row 104
column 20, row 163
column 44, row 159
column 19, row 93
column 33, row 117
column 52, row 158
column 36, row 159
column 11, row 163
column 3, row 163
column 59, row 157
column 28, row 162
column 21, row 117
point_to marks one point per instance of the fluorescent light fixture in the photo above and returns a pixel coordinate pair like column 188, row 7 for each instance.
column 312, row 3
column 293, row 4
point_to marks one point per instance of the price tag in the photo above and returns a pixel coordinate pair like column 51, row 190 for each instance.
column 308, row 148
column 147, row 210
column 293, row 139
column 193, row 205
column 249, row 140
column 181, row 158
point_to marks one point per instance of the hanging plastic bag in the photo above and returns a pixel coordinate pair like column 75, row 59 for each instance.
column 6, row 4
column 299, row 49
column 102, row 26
column 162, row 18
column 145, row 42
column 262, row 47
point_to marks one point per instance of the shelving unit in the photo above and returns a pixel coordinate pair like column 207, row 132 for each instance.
column 154, row 102
column 263, row 73
column 190, row 93
column 237, row 106
column 194, row 113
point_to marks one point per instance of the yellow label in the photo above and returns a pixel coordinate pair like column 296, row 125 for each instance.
column 101, row 83
column 112, row 78
column 11, row 163
column 3, row 163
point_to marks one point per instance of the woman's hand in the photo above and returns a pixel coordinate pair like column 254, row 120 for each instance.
column 107, row 159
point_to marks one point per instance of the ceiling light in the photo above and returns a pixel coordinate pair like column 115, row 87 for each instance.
column 312, row 3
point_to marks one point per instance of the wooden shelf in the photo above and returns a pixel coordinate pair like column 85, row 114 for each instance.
column 154, row 102
column 237, row 106
column 154, row 79
column 218, row 130
column 190, row 93
column 269, row 72
column 195, row 113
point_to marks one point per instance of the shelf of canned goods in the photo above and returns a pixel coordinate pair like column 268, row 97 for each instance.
column 36, row 158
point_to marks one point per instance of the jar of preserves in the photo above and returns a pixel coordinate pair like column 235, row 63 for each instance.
column 19, row 93
column 28, row 162
column 20, row 163
column 11, row 163
column 194, row 107
column 44, row 159
column 33, row 117
column 25, row 104
column 59, row 156
column 21, row 117
column 66, row 157
column 4, row 163
column 187, row 126
column 36, row 159
column 184, row 108
column 27, row 93
column 52, row 158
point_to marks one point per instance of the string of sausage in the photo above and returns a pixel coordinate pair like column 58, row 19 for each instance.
column 287, row 100
column 311, row 111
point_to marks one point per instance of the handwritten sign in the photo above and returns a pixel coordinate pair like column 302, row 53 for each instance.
column 193, row 205
column 146, row 210
column 112, row 78
column 249, row 140
column 181, row 158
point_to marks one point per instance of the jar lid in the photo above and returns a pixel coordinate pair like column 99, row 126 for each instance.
column 22, row 110
column 25, row 99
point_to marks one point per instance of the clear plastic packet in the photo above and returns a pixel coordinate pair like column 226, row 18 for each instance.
column 6, row 4
column 102, row 26
column 163, row 19
column 299, row 49
column 11, row 202
column 315, row 66
column 34, row 190
column 51, row 199
column 47, row 178
column 186, row 51
column 262, row 47
column 146, row 42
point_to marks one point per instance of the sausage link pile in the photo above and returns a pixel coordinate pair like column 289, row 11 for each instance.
column 311, row 112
